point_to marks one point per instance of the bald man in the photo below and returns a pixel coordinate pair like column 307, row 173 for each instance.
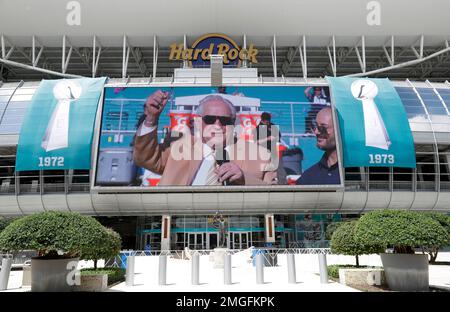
column 326, row 171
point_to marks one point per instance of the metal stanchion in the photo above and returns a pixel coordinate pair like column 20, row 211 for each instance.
column 4, row 273
column 227, row 270
column 162, row 269
column 195, row 269
column 323, row 268
column 259, row 268
column 291, row 269
column 129, row 273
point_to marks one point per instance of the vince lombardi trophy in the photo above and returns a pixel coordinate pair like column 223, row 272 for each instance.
column 375, row 130
column 57, row 133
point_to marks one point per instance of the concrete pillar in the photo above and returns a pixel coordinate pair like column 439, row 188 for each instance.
column 162, row 269
column 195, row 269
column 259, row 268
column 165, row 232
column 291, row 269
column 129, row 272
column 269, row 228
column 227, row 270
column 4, row 273
column 323, row 270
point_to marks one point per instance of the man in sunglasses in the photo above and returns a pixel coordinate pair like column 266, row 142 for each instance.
column 326, row 171
column 207, row 156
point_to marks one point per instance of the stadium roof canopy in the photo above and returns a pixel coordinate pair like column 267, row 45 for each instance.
column 399, row 39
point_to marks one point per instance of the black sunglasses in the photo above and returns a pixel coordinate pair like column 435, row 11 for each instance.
column 321, row 129
column 224, row 120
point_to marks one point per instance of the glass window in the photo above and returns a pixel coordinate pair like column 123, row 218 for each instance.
column 426, row 168
column 410, row 101
column 403, row 178
column 444, row 166
column 431, row 101
column 379, row 178
column 445, row 95
column 355, row 178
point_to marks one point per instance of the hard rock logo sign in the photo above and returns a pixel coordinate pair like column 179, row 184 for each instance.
column 200, row 52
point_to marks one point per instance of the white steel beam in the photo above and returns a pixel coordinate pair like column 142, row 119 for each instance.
column 419, row 54
column 273, row 50
column 362, row 61
column 185, row 62
column 35, row 59
column 302, row 50
column 95, row 55
column 332, row 58
column 155, row 56
column 4, row 41
column 244, row 46
column 125, row 56
column 65, row 59
column 390, row 57
column 42, row 70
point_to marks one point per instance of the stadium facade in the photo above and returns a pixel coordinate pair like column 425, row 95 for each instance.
column 78, row 40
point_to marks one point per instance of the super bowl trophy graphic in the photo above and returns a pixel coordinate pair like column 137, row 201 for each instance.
column 57, row 133
column 375, row 131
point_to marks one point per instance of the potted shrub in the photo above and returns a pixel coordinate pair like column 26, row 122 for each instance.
column 403, row 231
column 443, row 220
column 60, row 238
column 343, row 242
column 98, row 279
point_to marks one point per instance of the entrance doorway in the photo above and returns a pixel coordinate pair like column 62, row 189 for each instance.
column 194, row 240
column 212, row 240
column 239, row 240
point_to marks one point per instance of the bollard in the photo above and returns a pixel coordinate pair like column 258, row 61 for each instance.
column 162, row 269
column 195, row 269
column 291, row 269
column 129, row 272
column 4, row 273
column 259, row 268
column 323, row 268
column 227, row 270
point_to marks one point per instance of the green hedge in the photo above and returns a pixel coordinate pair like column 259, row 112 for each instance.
column 403, row 230
column 343, row 242
column 55, row 234
column 114, row 274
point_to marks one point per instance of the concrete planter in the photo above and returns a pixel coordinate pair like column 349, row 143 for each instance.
column 405, row 272
column 48, row 275
column 362, row 277
column 98, row 282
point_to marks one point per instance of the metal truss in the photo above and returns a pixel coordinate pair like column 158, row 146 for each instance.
column 339, row 59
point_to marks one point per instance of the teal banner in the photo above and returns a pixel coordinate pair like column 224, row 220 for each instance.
column 58, row 128
column 373, row 124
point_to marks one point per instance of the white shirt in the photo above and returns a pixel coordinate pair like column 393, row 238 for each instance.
column 143, row 129
column 207, row 162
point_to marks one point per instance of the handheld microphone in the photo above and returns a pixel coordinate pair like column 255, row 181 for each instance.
column 222, row 157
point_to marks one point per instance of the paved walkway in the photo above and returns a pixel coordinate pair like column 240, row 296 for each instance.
column 211, row 279
column 244, row 275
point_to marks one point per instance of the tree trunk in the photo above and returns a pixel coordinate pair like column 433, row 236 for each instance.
column 357, row 261
column 95, row 264
column 433, row 255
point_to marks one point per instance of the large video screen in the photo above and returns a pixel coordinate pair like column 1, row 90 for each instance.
column 228, row 136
